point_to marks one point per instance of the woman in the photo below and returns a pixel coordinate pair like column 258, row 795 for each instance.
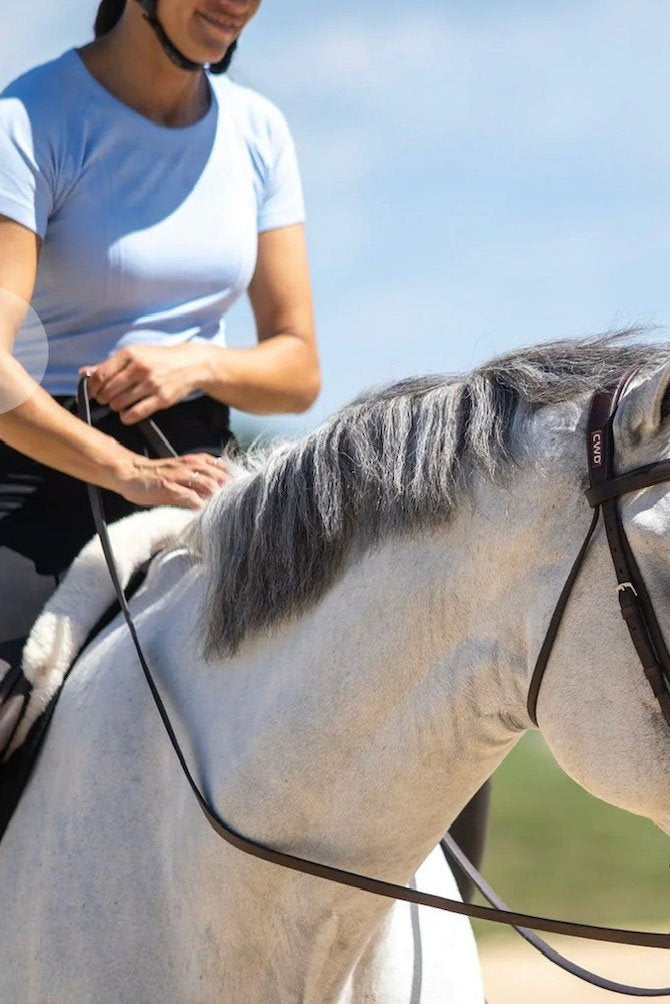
column 140, row 195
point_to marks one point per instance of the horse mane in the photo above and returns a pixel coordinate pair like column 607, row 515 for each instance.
column 393, row 460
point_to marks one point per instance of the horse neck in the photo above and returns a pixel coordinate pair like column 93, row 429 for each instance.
column 356, row 734
column 413, row 667
column 377, row 683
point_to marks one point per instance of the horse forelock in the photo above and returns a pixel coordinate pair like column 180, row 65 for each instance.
column 394, row 460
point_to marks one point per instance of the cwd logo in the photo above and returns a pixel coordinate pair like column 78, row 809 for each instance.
column 597, row 448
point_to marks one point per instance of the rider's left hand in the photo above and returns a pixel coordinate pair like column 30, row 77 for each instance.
column 141, row 379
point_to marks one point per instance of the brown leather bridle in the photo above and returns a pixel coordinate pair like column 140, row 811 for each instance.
column 636, row 607
column 648, row 642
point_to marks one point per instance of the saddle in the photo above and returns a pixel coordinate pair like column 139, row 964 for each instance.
column 17, row 693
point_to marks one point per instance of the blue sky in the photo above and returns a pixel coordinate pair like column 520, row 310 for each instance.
column 478, row 175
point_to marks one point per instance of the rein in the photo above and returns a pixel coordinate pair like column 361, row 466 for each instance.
column 498, row 912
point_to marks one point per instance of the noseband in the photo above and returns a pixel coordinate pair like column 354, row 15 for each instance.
column 646, row 636
column 603, row 493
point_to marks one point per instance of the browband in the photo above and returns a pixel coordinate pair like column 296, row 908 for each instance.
column 642, row 477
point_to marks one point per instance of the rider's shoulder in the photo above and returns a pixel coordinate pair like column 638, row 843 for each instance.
column 40, row 101
column 41, row 85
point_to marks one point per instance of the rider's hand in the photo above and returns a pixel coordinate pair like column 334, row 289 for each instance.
column 141, row 379
column 187, row 481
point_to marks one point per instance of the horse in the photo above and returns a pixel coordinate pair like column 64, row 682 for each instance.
column 344, row 639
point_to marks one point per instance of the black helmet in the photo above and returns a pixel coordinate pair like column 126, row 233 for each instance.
column 171, row 50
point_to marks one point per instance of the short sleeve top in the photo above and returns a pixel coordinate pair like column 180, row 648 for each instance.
column 150, row 233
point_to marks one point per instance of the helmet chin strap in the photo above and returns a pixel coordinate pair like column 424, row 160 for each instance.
column 170, row 49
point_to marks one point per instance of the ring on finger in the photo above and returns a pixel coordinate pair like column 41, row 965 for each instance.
column 193, row 478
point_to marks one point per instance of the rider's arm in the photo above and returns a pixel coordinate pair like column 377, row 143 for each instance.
column 35, row 425
column 30, row 420
column 281, row 373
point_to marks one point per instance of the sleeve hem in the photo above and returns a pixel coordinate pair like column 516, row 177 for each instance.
column 274, row 221
column 20, row 213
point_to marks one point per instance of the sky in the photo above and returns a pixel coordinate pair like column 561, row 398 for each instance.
column 478, row 175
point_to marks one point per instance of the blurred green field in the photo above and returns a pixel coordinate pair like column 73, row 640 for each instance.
column 557, row 851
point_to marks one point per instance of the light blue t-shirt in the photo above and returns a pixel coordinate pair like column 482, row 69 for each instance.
column 149, row 232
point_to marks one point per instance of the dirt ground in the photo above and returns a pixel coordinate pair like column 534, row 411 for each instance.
column 515, row 974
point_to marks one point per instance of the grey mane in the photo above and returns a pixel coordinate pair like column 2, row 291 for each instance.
column 394, row 459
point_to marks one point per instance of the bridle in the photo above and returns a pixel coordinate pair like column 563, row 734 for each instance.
column 647, row 638
column 637, row 609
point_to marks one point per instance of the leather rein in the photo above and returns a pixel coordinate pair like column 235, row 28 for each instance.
column 604, row 490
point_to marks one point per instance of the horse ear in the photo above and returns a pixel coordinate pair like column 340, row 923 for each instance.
column 646, row 406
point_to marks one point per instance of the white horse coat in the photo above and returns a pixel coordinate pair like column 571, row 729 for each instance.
column 352, row 734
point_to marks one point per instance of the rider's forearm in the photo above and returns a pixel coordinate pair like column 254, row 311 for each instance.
column 280, row 374
column 39, row 428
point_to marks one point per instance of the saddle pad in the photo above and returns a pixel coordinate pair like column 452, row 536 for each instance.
column 15, row 694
